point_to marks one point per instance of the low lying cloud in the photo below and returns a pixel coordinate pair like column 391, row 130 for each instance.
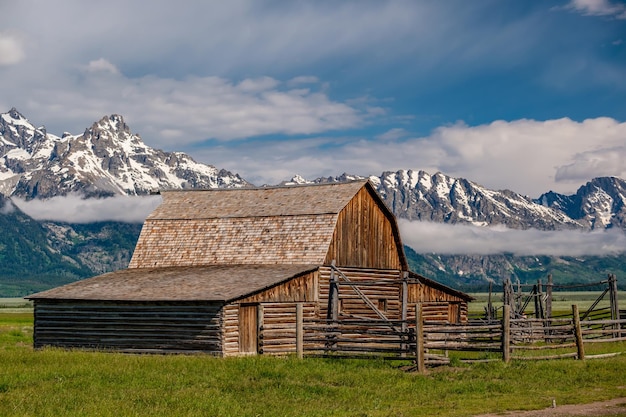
column 7, row 207
column 445, row 239
column 75, row 209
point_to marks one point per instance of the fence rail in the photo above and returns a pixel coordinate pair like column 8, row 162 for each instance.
column 429, row 343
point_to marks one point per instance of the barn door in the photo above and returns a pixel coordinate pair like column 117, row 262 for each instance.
column 454, row 312
column 248, row 328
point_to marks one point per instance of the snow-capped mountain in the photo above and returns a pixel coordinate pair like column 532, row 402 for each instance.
column 106, row 159
column 599, row 204
column 418, row 195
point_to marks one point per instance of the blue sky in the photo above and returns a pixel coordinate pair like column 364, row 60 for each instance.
column 524, row 95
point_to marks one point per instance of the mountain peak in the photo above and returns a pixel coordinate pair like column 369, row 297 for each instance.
column 107, row 159
column 16, row 115
column 113, row 123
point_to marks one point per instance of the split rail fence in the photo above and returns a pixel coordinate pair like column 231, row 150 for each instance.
column 429, row 343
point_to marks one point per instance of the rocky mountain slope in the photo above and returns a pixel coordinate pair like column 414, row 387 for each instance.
column 106, row 159
column 418, row 195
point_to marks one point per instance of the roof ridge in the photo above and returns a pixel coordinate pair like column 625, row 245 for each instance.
column 269, row 187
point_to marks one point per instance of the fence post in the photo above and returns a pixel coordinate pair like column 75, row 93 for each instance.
column 506, row 333
column 405, row 302
column 614, row 304
column 299, row 331
column 259, row 329
column 549, row 297
column 419, row 339
column 578, row 332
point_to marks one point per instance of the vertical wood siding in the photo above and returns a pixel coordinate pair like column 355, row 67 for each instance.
column 302, row 288
column 130, row 327
column 364, row 236
column 248, row 329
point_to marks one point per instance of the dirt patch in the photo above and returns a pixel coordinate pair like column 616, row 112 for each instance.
column 614, row 407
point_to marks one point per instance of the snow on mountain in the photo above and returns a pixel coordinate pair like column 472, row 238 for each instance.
column 599, row 204
column 418, row 195
column 107, row 159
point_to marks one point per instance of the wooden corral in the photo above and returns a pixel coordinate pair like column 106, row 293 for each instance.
column 230, row 272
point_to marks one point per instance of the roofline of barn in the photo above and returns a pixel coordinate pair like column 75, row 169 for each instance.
column 440, row 286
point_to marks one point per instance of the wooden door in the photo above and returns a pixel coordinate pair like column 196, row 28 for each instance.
column 248, row 328
column 454, row 312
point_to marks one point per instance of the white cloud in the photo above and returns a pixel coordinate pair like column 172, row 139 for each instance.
column 527, row 156
column 11, row 49
column 75, row 209
column 393, row 134
column 7, row 207
column 202, row 107
column 102, row 65
column 440, row 238
column 599, row 8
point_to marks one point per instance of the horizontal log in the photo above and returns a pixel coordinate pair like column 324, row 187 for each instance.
column 342, row 348
column 539, row 358
column 461, row 329
column 544, row 347
column 608, row 340
column 349, row 340
column 490, row 347
column 602, row 322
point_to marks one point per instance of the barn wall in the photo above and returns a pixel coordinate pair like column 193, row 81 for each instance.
column 129, row 326
column 302, row 288
column 351, row 304
column 279, row 327
column 364, row 236
column 419, row 293
column 438, row 305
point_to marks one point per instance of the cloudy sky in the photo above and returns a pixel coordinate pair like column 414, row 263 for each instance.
column 523, row 95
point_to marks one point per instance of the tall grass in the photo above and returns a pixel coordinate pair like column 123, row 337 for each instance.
column 54, row 382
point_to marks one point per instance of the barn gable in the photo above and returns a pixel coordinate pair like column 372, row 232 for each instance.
column 366, row 234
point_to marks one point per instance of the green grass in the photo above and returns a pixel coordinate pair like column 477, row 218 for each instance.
column 54, row 382
column 561, row 301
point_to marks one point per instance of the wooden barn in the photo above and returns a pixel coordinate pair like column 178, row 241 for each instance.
column 214, row 268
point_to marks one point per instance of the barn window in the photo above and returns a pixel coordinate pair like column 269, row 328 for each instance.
column 382, row 304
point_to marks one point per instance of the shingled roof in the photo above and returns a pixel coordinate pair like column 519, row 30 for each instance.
column 298, row 200
column 275, row 225
column 207, row 283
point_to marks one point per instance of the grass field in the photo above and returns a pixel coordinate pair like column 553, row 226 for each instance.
column 561, row 301
column 53, row 382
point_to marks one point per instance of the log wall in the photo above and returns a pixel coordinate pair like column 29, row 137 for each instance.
column 388, row 290
column 278, row 332
column 131, row 327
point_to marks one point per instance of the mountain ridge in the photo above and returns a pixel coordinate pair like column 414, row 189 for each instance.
column 108, row 159
column 105, row 160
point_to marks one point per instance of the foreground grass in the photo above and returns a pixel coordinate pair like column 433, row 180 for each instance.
column 54, row 382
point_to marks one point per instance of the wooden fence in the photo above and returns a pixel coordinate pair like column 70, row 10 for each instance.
column 429, row 343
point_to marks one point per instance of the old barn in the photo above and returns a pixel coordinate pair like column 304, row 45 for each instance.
column 213, row 269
